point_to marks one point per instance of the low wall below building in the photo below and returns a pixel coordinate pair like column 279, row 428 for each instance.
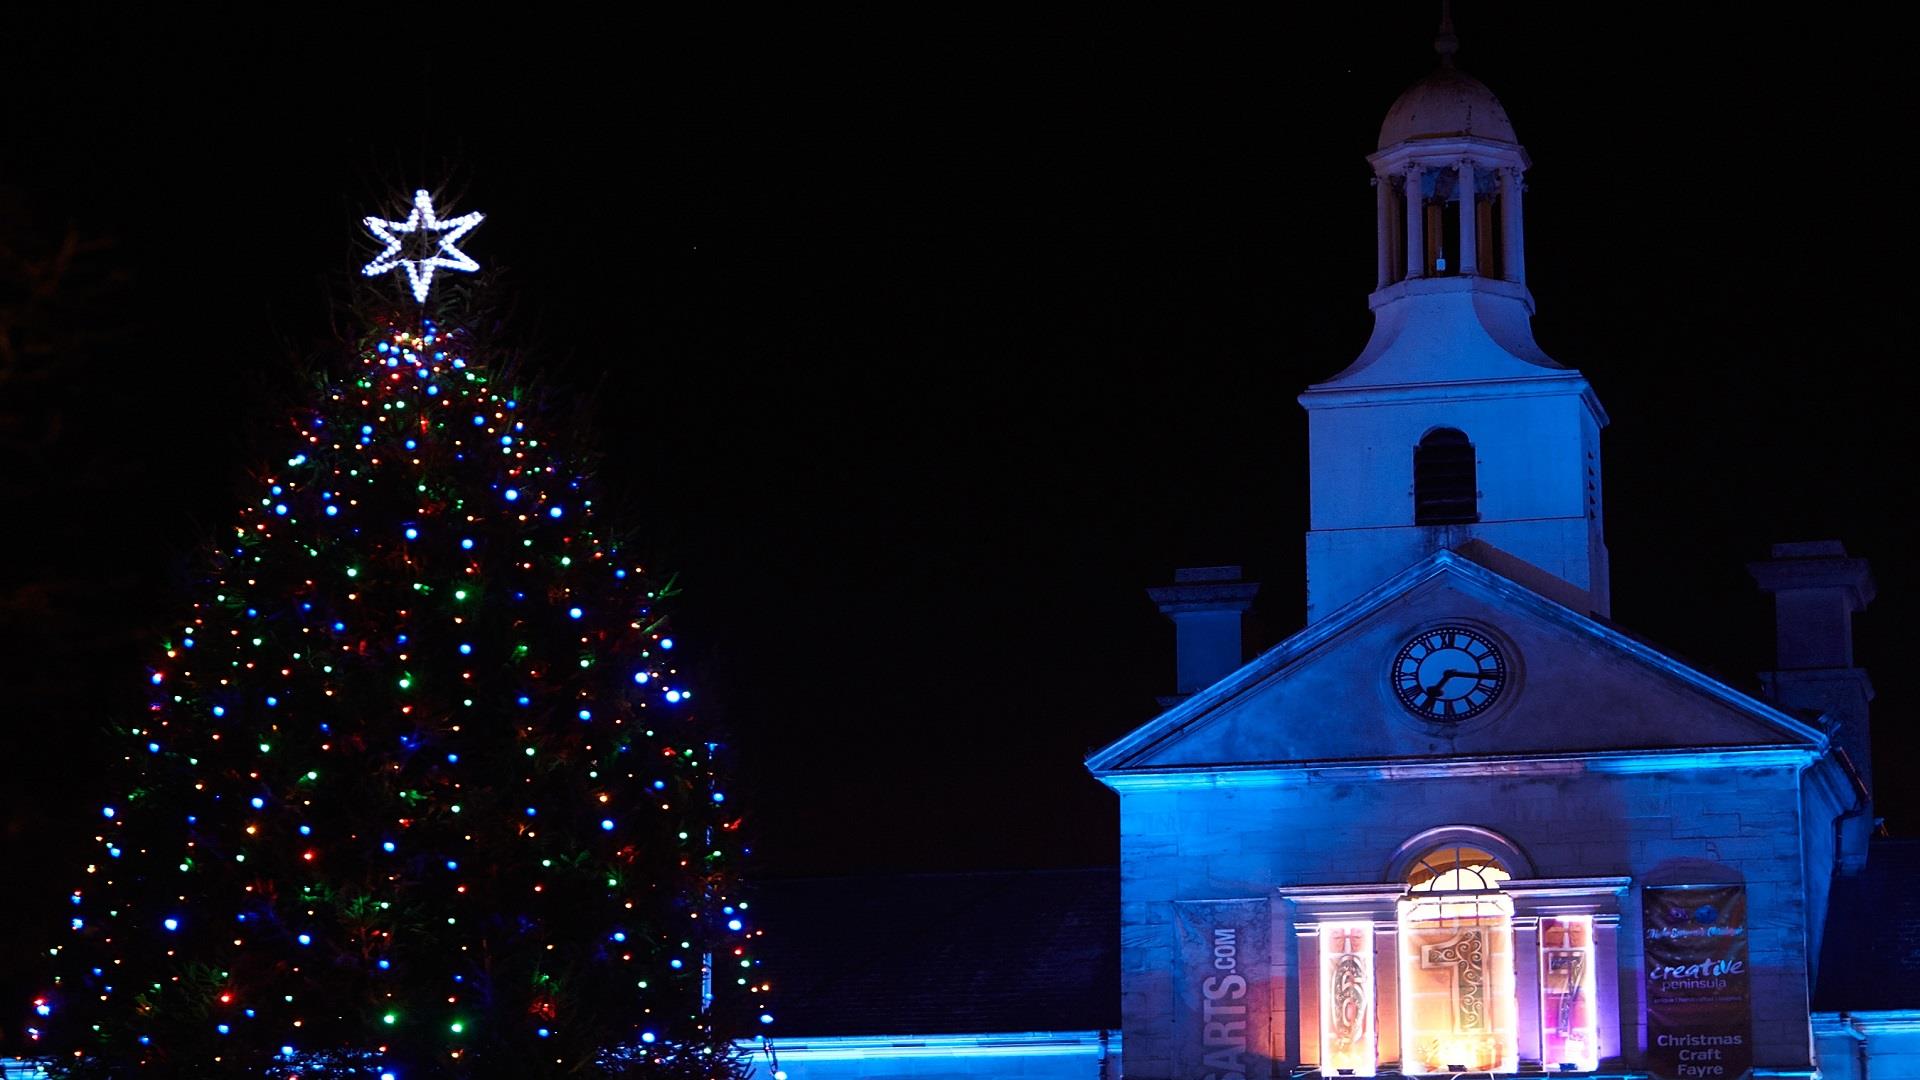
column 1882, row 1044
column 1032, row 1055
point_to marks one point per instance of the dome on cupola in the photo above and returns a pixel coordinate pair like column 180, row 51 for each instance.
column 1448, row 104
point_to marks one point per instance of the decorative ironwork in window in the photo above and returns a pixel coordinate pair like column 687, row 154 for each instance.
column 1569, row 1021
column 1346, row 999
column 1457, row 1007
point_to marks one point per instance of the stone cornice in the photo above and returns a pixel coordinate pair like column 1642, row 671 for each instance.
column 1555, row 766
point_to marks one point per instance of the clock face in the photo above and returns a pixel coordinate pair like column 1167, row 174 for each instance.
column 1448, row 674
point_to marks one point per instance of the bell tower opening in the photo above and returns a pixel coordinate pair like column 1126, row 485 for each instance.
column 1453, row 352
column 1445, row 479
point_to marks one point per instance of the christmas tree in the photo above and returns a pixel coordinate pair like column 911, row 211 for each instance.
column 421, row 791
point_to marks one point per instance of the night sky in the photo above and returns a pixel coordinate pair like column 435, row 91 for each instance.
column 923, row 348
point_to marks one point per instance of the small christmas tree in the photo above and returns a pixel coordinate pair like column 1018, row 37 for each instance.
column 421, row 791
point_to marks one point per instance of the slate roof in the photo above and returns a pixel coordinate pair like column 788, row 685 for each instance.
column 936, row 954
column 1871, row 957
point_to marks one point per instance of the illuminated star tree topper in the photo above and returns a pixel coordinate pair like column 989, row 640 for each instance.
column 422, row 226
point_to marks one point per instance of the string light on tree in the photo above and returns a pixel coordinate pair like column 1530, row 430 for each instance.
column 419, row 788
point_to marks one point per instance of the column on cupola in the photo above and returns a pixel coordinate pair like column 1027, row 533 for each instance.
column 1469, row 226
column 1416, row 225
column 1383, row 231
column 1513, row 256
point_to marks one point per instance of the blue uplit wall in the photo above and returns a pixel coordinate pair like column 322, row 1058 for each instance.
column 1036, row 1055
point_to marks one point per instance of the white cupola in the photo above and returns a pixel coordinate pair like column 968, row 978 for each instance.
column 1453, row 429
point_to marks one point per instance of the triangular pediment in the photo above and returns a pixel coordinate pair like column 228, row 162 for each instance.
column 1575, row 688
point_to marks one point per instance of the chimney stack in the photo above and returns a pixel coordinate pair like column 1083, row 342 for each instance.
column 1816, row 590
column 1205, row 604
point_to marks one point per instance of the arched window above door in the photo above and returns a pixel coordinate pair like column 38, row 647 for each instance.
column 1456, row 868
column 1454, row 858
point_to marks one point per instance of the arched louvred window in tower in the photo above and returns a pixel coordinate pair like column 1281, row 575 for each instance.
column 1445, row 479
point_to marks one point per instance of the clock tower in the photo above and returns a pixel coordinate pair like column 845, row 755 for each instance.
column 1453, row 429
column 1460, row 823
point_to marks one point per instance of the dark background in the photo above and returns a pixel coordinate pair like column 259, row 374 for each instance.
column 922, row 348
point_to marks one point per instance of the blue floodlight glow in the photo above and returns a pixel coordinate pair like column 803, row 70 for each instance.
column 259, row 803
column 607, row 824
column 304, row 939
column 666, row 643
column 554, row 512
column 170, row 923
column 512, row 494
column 466, row 544
column 106, row 811
column 572, row 613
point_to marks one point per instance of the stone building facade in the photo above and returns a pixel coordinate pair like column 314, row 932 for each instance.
column 1462, row 823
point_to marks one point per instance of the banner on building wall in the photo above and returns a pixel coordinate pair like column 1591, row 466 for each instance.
column 1699, row 997
column 1222, row 996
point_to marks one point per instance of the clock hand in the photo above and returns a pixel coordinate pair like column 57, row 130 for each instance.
column 1449, row 676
